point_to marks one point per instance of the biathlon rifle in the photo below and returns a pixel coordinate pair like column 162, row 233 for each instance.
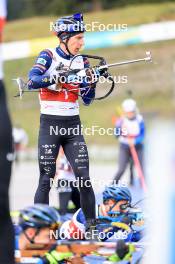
column 102, row 66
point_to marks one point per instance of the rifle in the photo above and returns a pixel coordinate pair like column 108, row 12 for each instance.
column 102, row 66
column 81, row 249
column 77, row 248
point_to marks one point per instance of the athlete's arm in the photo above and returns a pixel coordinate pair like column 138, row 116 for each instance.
column 118, row 128
column 37, row 77
column 53, row 256
column 139, row 139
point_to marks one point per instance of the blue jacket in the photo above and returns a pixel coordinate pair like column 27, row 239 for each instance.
column 38, row 78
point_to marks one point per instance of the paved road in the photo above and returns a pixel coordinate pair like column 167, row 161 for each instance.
column 25, row 179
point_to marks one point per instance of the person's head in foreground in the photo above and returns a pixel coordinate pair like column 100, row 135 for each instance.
column 36, row 222
column 70, row 31
column 116, row 200
column 129, row 108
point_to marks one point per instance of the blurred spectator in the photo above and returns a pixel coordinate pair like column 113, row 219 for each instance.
column 132, row 133
column 20, row 139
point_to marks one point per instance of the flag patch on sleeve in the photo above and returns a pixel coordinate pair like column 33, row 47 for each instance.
column 41, row 61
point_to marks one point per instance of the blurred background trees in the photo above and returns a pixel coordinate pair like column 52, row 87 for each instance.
column 28, row 8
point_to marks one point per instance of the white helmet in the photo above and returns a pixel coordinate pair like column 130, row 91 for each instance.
column 129, row 105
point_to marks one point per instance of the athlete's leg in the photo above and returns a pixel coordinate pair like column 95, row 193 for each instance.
column 131, row 163
column 75, row 149
column 64, row 195
column 48, row 148
column 6, row 155
column 75, row 197
column 140, row 153
column 124, row 156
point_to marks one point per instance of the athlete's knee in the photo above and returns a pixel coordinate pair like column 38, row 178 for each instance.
column 47, row 169
column 84, row 182
column 82, row 171
column 46, row 181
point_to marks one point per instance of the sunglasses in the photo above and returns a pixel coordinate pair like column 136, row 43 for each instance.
column 124, row 206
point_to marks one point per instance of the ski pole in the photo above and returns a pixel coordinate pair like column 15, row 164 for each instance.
column 137, row 165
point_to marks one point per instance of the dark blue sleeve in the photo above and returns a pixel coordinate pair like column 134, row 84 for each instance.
column 87, row 90
column 118, row 127
column 139, row 139
column 37, row 77
column 136, row 236
column 107, row 230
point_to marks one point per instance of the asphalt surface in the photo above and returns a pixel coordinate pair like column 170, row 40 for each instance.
column 25, row 179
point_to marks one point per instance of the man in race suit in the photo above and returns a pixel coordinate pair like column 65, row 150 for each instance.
column 60, row 111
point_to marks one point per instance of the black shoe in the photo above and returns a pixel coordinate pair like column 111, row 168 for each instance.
column 91, row 232
column 121, row 249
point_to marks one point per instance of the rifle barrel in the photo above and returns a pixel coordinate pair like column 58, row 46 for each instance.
column 148, row 58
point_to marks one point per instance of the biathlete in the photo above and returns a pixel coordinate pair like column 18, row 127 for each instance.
column 34, row 226
column 60, row 110
column 132, row 128
column 116, row 207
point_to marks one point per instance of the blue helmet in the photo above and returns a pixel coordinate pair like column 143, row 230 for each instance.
column 69, row 26
column 117, row 193
column 39, row 216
